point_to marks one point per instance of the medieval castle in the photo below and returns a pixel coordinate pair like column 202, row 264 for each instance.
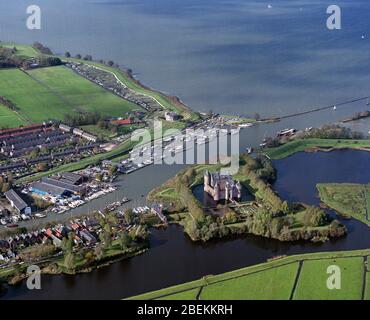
column 221, row 187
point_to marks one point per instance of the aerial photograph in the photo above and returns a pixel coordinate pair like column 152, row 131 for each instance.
column 184, row 150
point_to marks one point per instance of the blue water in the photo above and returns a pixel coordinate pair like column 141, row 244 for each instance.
column 227, row 56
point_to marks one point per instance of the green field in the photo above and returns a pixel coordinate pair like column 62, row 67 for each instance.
column 312, row 281
column 249, row 287
column 347, row 199
column 80, row 94
column 22, row 50
column 293, row 277
column 51, row 93
column 9, row 118
column 158, row 96
column 300, row 145
column 35, row 102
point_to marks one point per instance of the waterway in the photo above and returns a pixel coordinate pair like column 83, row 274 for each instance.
column 174, row 259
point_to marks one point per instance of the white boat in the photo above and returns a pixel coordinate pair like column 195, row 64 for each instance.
column 245, row 125
column 335, row 108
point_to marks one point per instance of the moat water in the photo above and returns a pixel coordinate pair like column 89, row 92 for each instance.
column 174, row 259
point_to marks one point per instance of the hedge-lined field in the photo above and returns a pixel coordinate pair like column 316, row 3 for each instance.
column 300, row 277
column 51, row 93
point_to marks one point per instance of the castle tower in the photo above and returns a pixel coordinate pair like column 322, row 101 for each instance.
column 206, row 180
column 212, row 180
column 216, row 194
column 227, row 191
column 239, row 189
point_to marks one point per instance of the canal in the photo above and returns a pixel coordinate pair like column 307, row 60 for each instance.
column 174, row 259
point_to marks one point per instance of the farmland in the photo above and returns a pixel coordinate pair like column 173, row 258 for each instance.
column 9, row 118
column 294, row 277
column 81, row 94
column 31, row 98
column 312, row 281
column 22, row 50
column 58, row 91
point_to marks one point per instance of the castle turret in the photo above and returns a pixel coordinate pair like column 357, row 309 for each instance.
column 216, row 195
column 227, row 192
column 206, row 179
column 239, row 189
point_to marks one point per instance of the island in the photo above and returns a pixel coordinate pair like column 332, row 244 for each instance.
column 221, row 210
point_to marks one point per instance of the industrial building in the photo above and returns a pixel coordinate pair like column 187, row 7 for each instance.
column 59, row 186
column 17, row 202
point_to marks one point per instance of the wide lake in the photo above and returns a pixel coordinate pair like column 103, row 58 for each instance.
column 237, row 57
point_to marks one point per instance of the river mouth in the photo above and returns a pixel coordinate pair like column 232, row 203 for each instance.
column 173, row 258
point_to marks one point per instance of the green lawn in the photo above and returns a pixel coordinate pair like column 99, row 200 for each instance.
column 35, row 102
column 81, row 94
column 22, row 50
column 250, row 287
column 95, row 130
column 300, row 145
column 9, row 118
column 346, row 198
column 275, row 280
column 312, row 284
column 57, row 91
column 158, row 96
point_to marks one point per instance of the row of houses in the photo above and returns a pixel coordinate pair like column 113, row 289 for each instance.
column 78, row 132
column 84, row 233
column 26, row 163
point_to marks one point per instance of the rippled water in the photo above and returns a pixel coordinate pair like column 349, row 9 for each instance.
column 229, row 56
column 174, row 259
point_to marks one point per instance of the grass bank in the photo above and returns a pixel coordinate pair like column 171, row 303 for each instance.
column 300, row 145
column 348, row 199
column 295, row 277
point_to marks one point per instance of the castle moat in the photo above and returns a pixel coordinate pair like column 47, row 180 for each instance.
column 187, row 260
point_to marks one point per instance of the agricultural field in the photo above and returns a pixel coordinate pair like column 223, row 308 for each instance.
column 81, row 94
column 300, row 145
column 349, row 200
column 294, row 277
column 51, row 93
column 34, row 101
column 164, row 101
column 22, row 50
column 313, row 277
column 249, row 287
column 9, row 118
